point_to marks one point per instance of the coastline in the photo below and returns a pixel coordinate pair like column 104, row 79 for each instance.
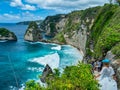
column 56, row 42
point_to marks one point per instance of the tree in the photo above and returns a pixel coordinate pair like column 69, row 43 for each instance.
column 118, row 1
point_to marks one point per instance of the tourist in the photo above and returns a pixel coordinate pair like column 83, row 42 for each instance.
column 99, row 65
column 96, row 66
column 106, row 80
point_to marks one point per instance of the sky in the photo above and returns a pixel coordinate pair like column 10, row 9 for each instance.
column 12, row 11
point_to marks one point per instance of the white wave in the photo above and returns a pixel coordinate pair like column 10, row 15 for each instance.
column 52, row 60
column 35, row 69
column 58, row 47
column 22, row 88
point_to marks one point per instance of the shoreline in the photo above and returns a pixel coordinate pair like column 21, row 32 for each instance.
column 56, row 42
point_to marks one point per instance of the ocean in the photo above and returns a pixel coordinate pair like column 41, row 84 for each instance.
column 21, row 61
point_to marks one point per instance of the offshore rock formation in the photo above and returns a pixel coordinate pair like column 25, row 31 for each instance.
column 7, row 35
column 46, row 72
column 33, row 33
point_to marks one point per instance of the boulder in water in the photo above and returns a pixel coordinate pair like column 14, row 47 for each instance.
column 46, row 72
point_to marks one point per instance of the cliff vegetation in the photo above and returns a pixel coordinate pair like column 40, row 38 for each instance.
column 73, row 78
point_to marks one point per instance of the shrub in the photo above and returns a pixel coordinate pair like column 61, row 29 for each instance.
column 73, row 78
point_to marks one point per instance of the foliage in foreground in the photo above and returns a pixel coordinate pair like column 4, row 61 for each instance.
column 73, row 78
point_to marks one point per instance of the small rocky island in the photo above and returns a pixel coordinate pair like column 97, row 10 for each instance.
column 33, row 33
column 5, row 34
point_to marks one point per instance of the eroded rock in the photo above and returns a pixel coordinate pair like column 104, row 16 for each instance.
column 46, row 72
column 33, row 33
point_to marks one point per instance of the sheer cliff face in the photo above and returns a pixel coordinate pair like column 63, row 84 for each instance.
column 33, row 33
column 7, row 35
column 72, row 28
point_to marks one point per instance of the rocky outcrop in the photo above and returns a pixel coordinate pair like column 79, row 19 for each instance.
column 7, row 35
column 33, row 33
column 46, row 72
column 53, row 24
column 72, row 28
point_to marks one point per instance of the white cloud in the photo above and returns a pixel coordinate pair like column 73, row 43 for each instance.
column 57, row 5
column 18, row 3
column 66, row 5
column 10, row 16
column 29, row 16
column 15, row 3
column 28, row 7
column 24, row 16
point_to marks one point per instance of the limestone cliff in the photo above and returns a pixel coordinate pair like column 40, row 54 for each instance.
column 7, row 35
column 71, row 28
column 33, row 33
column 94, row 31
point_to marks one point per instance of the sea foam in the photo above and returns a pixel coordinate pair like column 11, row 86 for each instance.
column 52, row 60
column 58, row 47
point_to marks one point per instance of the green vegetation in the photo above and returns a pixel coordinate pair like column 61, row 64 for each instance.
column 4, row 32
column 55, row 18
column 103, row 36
column 33, row 25
column 51, row 19
column 76, row 18
column 116, row 50
column 90, row 12
column 101, row 20
column 60, row 38
column 73, row 78
column 32, row 85
column 52, row 28
column 106, row 30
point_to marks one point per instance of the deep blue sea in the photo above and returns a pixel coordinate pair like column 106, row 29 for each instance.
column 21, row 61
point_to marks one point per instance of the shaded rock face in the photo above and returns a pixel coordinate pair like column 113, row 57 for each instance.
column 46, row 72
column 33, row 33
column 7, row 35
column 115, row 64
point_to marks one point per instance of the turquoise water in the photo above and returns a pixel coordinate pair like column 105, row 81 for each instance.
column 21, row 60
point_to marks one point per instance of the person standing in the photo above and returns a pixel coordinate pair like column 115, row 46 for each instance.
column 105, row 77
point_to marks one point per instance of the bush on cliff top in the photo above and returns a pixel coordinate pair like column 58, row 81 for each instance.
column 73, row 78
